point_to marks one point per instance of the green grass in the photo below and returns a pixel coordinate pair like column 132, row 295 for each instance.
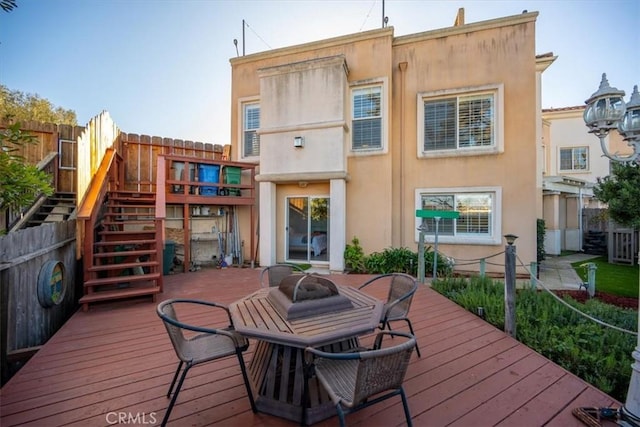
column 616, row 279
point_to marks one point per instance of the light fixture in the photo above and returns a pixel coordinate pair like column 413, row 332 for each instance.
column 606, row 110
column 511, row 238
column 303, row 184
column 298, row 141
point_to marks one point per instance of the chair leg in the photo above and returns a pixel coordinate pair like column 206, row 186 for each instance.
column 175, row 395
column 175, row 377
column 405, row 404
column 246, row 381
column 412, row 333
column 341, row 415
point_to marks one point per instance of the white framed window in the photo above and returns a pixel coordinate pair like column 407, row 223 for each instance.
column 250, row 126
column 479, row 209
column 368, row 116
column 459, row 122
column 574, row 159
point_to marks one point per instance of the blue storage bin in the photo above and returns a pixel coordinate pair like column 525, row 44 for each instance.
column 208, row 174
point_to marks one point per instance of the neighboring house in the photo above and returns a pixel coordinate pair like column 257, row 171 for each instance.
column 573, row 162
column 353, row 134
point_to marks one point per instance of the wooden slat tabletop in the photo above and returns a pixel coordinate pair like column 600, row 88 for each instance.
column 256, row 317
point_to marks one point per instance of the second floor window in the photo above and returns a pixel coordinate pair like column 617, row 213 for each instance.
column 367, row 118
column 574, row 159
column 459, row 122
column 251, row 123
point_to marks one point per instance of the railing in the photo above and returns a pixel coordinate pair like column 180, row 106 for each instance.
column 90, row 209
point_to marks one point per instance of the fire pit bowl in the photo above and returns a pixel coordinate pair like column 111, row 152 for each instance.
column 307, row 295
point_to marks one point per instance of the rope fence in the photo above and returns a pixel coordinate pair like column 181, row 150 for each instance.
column 534, row 283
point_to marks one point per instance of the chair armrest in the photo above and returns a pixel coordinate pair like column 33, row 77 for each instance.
column 336, row 356
column 229, row 331
column 373, row 279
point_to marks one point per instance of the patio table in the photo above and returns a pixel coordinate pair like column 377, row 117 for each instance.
column 276, row 369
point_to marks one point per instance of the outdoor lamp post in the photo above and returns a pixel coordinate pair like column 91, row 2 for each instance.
column 605, row 111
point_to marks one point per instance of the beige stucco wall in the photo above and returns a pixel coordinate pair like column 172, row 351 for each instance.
column 499, row 54
column 381, row 186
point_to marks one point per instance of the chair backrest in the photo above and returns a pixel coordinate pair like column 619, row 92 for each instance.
column 167, row 313
column 383, row 369
column 275, row 273
column 402, row 288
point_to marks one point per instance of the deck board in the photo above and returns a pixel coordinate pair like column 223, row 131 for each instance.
column 117, row 358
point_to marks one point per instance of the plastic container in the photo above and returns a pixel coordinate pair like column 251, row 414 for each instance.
column 209, row 174
column 232, row 175
column 178, row 175
column 168, row 254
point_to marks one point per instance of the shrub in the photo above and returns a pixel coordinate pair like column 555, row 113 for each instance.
column 597, row 354
column 354, row 256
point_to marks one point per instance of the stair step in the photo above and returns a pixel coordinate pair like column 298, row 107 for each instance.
column 149, row 207
column 121, row 279
column 124, row 243
column 116, row 221
column 117, row 198
column 124, row 265
column 127, row 232
column 125, row 253
column 133, row 192
column 119, row 294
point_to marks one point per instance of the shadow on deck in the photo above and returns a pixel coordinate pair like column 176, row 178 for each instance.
column 116, row 361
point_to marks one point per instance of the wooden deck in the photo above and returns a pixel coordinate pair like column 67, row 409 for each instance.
column 116, row 361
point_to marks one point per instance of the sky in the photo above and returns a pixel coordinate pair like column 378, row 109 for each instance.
column 161, row 67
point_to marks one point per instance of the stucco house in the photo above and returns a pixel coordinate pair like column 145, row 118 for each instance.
column 353, row 134
column 573, row 162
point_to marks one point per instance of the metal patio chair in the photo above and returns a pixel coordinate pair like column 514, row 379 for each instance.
column 402, row 287
column 272, row 275
column 207, row 345
column 352, row 379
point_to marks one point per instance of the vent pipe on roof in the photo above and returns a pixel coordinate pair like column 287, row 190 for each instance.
column 459, row 18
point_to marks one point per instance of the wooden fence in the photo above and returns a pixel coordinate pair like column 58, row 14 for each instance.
column 39, row 288
column 622, row 242
column 140, row 153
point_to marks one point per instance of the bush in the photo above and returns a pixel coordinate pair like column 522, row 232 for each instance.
column 393, row 260
column 597, row 354
column 354, row 257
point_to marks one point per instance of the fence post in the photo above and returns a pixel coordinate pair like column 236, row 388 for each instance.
column 421, row 255
column 533, row 270
column 510, row 286
column 591, row 279
column 483, row 267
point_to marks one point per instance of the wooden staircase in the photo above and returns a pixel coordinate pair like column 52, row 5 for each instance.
column 123, row 252
column 58, row 207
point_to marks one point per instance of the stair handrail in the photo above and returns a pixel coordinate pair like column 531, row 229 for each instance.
column 91, row 205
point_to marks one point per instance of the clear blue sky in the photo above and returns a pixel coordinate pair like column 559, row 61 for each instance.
column 161, row 67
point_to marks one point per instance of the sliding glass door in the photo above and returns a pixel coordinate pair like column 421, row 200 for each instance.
column 307, row 229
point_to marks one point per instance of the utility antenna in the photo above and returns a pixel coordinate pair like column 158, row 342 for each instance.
column 384, row 19
column 243, row 24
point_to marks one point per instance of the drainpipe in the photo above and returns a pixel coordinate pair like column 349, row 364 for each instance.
column 403, row 68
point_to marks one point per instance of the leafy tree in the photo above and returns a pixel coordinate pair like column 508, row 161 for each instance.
column 20, row 183
column 621, row 191
column 25, row 106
